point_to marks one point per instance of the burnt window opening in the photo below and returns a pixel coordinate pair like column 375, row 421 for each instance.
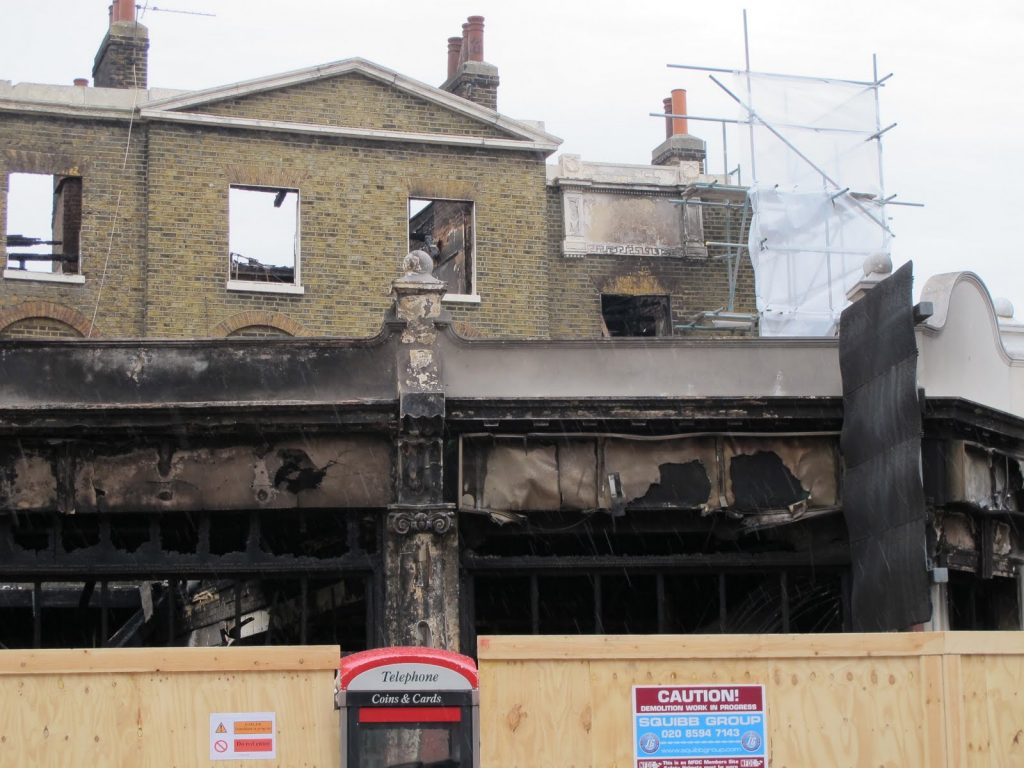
column 445, row 230
column 263, row 235
column 635, row 315
column 643, row 601
column 190, row 611
column 44, row 223
column 979, row 604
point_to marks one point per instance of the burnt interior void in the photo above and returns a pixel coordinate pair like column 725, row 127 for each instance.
column 632, row 601
column 761, row 481
column 976, row 603
column 680, row 486
column 636, row 315
column 444, row 230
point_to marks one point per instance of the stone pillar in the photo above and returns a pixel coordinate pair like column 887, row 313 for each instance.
column 421, row 542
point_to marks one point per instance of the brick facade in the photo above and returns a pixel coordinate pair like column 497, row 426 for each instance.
column 353, row 101
column 154, row 230
column 44, row 319
column 113, row 228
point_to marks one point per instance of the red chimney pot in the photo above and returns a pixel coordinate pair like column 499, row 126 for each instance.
column 122, row 10
column 454, row 53
column 679, row 125
column 476, row 37
column 464, row 48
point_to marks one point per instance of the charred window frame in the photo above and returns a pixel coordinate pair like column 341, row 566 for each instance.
column 636, row 315
column 264, row 239
column 446, row 229
column 43, row 227
column 575, row 599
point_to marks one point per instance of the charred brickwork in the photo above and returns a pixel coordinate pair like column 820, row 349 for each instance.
column 693, row 284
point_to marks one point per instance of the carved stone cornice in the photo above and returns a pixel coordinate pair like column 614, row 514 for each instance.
column 408, row 520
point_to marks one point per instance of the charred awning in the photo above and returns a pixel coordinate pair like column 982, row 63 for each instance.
column 764, row 479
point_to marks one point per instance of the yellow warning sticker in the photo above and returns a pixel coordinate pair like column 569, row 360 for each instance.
column 221, row 729
column 253, row 726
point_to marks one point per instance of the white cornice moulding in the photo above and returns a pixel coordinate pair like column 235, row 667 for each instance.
column 370, row 134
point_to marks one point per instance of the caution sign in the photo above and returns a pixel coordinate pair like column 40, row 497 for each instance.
column 699, row 726
column 243, row 735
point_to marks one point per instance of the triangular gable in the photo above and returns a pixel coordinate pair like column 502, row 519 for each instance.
column 352, row 94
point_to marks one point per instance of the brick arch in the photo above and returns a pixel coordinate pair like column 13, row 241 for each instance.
column 259, row 317
column 50, row 311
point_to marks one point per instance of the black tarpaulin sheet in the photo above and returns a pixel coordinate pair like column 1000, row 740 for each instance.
column 883, row 495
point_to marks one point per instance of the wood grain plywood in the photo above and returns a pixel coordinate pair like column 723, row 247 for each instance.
column 55, row 721
column 711, row 646
column 993, row 710
column 536, row 715
column 177, row 718
column 820, row 711
column 104, row 717
column 86, row 660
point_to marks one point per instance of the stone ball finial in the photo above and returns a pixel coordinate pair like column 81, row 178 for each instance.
column 1004, row 307
column 878, row 263
column 418, row 262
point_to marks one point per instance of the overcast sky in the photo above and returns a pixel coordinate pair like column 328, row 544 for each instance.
column 592, row 71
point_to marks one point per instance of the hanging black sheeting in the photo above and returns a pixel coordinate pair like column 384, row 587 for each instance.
column 883, row 495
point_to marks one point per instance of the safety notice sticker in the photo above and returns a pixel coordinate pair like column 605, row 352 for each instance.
column 243, row 735
column 699, row 726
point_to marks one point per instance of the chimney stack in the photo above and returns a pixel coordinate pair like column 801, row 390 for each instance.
column 469, row 76
column 679, row 146
column 454, row 55
column 123, row 58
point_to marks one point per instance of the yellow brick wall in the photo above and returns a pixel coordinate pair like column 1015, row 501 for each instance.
column 354, row 228
column 155, row 224
column 113, row 216
column 352, row 101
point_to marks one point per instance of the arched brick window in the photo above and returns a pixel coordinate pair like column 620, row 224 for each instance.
column 259, row 323
column 44, row 319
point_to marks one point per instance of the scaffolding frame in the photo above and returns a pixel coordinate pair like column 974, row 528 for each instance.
column 872, row 206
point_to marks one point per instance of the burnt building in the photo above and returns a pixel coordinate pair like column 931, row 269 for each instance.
column 410, row 426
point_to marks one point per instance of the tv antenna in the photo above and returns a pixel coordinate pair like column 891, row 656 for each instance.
column 147, row 7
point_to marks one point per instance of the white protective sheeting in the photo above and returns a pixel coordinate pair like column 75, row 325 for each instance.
column 807, row 251
column 809, row 140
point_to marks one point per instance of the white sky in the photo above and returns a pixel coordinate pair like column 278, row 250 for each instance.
column 594, row 70
column 258, row 230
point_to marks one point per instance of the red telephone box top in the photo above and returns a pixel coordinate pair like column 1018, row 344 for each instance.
column 407, row 668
